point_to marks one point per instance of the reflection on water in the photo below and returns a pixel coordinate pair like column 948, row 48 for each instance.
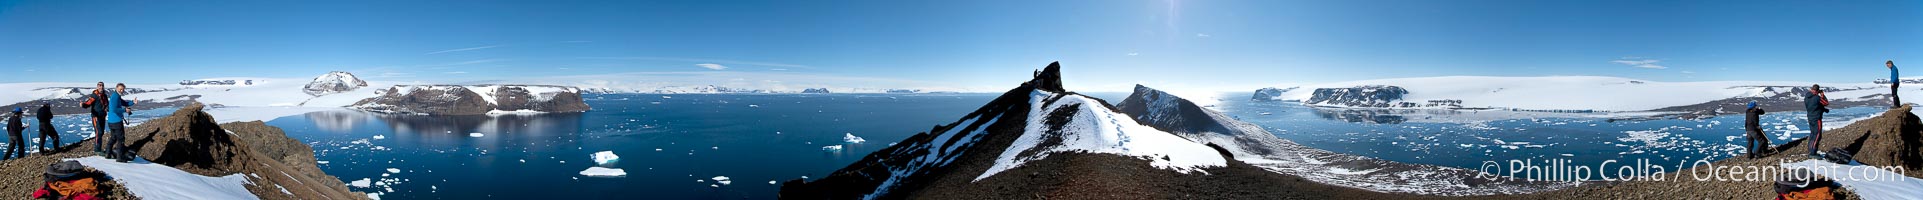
column 1382, row 116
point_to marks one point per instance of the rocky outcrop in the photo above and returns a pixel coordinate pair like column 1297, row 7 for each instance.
column 1893, row 139
column 190, row 141
column 474, row 100
column 815, row 91
column 1373, row 96
column 1269, row 94
column 333, row 82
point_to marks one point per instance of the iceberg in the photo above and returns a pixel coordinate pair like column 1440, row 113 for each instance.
column 475, row 134
column 722, row 179
column 831, row 148
column 605, row 157
column 604, row 172
column 852, row 139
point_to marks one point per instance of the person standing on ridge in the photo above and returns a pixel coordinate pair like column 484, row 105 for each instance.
column 15, row 145
column 1758, row 143
column 1894, row 100
column 47, row 134
column 1815, row 103
column 117, row 123
column 96, row 105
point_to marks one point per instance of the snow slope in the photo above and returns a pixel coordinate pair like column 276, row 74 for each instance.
column 1573, row 92
column 155, row 181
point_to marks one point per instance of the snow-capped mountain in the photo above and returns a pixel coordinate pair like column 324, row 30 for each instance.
column 474, row 100
column 334, row 82
column 1252, row 144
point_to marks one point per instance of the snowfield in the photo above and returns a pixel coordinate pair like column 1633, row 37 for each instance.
column 155, row 181
column 1577, row 92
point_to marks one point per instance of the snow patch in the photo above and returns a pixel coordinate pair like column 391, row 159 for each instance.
column 155, row 181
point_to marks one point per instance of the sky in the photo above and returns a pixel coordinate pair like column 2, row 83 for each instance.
column 990, row 45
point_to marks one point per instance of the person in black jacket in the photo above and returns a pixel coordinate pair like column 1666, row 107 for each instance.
column 1758, row 143
column 14, row 144
column 97, row 106
column 48, row 136
column 1815, row 103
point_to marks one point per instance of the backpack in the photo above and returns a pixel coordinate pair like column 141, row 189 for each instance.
column 1838, row 156
column 1803, row 185
column 63, row 181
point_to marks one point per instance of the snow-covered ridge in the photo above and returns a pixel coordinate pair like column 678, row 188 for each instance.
column 334, row 82
column 1593, row 93
column 474, row 99
column 1094, row 128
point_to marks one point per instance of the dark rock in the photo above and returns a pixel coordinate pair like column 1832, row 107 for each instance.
column 436, row 100
column 815, row 91
column 1049, row 78
column 190, row 141
column 1374, row 96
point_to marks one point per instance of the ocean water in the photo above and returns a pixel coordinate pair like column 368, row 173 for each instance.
column 671, row 146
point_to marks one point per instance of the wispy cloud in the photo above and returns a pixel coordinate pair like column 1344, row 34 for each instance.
column 394, row 75
column 1640, row 63
column 705, row 60
column 1133, row 54
column 470, row 62
column 1202, row 35
column 711, row 66
column 463, row 49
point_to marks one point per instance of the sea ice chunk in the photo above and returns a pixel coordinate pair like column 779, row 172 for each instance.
column 852, row 139
column 605, row 157
column 831, row 148
column 604, row 172
column 475, row 134
column 722, row 179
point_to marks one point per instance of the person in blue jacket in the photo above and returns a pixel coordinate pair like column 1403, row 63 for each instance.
column 1815, row 104
column 116, row 123
column 1894, row 100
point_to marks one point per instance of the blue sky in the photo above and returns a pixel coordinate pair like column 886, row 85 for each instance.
column 1107, row 45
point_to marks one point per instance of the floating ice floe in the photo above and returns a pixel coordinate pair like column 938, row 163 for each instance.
column 363, row 183
column 393, row 170
column 831, row 148
column 377, row 137
column 604, row 172
column 852, row 139
column 605, row 157
column 722, row 179
column 475, row 135
column 771, row 182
